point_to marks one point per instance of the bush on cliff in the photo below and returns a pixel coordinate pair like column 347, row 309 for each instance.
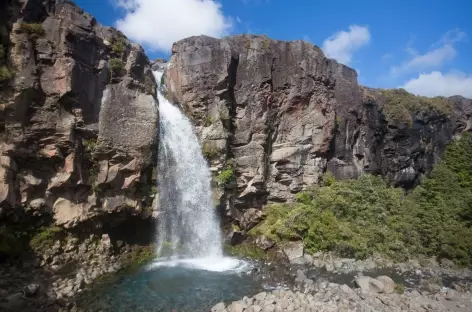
column 356, row 218
column 32, row 28
column 401, row 105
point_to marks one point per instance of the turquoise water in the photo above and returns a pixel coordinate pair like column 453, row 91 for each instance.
column 170, row 289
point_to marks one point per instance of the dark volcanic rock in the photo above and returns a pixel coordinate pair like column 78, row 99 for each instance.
column 281, row 114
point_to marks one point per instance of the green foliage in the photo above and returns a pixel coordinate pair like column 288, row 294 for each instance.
column 209, row 150
column 45, row 237
column 207, row 121
column 116, row 66
column 400, row 288
column 139, row 256
column 400, row 105
column 32, row 28
column 245, row 251
column 441, row 208
column 266, row 43
column 9, row 243
column 5, row 73
column 90, row 147
column 225, row 176
column 2, row 53
column 235, row 227
column 356, row 218
column 118, row 46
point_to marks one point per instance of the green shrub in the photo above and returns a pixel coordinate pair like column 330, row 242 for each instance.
column 90, row 147
column 400, row 288
column 116, row 66
column 209, row 150
column 400, row 105
column 245, row 251
column 5, row 73
column 45, row 237
column 225, row 176
column 118, row 46
column 2, row 52
column 357, row 218
column 32, row 28
column 139, row 256
column 207, row 121
column 9, row 243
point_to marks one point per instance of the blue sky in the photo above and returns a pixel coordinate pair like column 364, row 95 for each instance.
column 423, row 46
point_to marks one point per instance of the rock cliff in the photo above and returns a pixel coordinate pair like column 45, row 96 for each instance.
column 78, row 116
column 279, row 114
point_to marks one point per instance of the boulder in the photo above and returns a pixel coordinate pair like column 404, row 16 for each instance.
column 388, row 284
column 293, row 250
column 369, row 284
column 219, row 307
column 31, row 290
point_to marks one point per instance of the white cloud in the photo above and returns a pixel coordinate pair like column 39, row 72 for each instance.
column 428, row 60
column 342, row 45
column 157, row 24
column 434, row 58
column 435, row 83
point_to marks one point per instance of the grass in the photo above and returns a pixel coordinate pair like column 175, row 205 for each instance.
column 139, row 256
column 400, row 288
column 9, row 243
column 245, row 251
column 6, row 73
column 225, row 176
column 90, row 147
column 118, row 46
column 116, row 66
column 401, row 105
column 45, row 237
column 209, row 150
column 207, row 121
column 357, row 218
column 32, row 28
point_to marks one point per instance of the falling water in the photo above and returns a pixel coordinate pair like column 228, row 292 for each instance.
column 187, row 225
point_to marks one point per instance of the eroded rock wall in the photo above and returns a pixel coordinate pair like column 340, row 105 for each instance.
column 281, row 114
column 79, row 116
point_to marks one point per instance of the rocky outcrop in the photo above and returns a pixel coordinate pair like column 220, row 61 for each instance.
column 79, row 117
column 280, row 114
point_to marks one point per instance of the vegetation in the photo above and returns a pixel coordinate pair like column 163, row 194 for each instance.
column 45, row 237
column 116, row 66
column 207, row 121
column 5, row 73
column 118, row 46
column 209, row 150
column 225, row 176
column 245, row 251
column 90, row 147
column 9, row 243
column 2, row 53
column 32, row 28
column 399, row 288
column 401, row 105
column 355, row 218
column 139, row 256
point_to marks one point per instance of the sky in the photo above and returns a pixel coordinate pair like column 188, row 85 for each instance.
column 424, row 46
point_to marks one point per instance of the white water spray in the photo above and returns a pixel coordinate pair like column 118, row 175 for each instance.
column 188, row 227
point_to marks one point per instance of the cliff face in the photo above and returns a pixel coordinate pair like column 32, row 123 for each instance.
column 281, row 114
column 79, row 116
